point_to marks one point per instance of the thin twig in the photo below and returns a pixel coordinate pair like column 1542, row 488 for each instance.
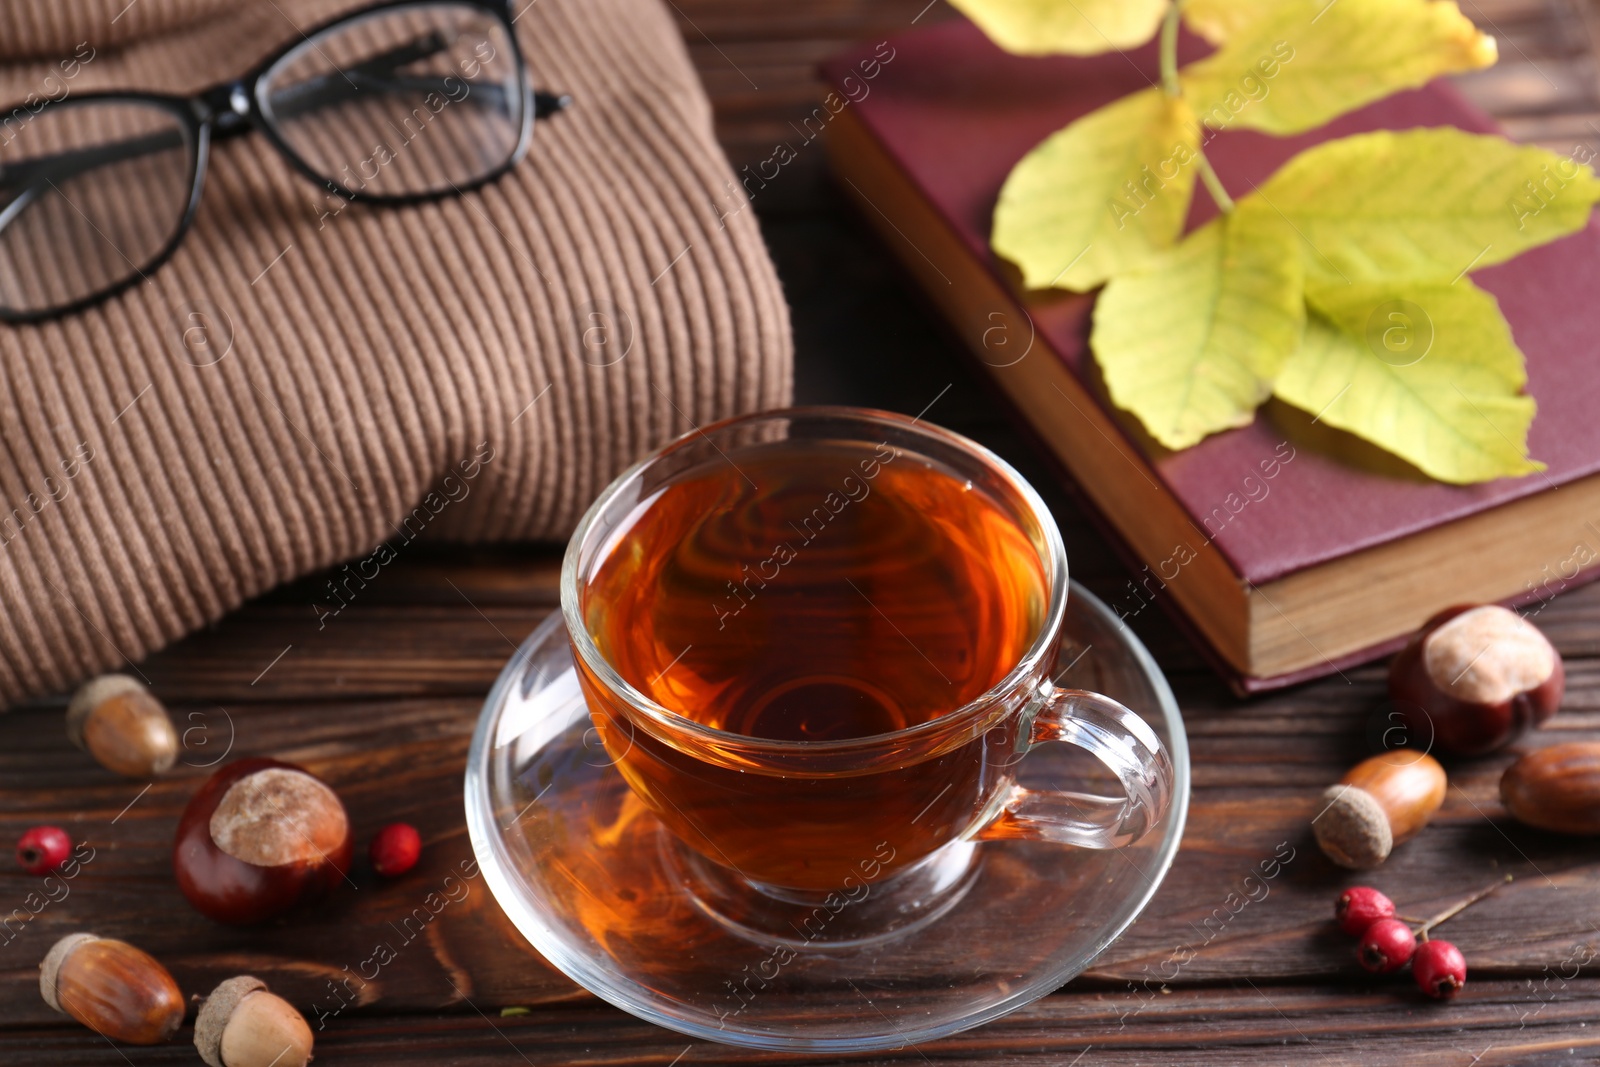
column 1422, row 934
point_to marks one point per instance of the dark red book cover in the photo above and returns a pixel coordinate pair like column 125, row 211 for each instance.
column 957, row 113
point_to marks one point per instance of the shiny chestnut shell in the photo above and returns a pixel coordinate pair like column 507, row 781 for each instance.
column 1466, row 727
column 231, row 890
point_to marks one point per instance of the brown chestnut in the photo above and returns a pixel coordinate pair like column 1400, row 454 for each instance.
column 1475, row 678
column 260, row 837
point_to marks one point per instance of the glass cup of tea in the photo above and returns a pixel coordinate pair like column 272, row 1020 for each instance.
column 818, row 643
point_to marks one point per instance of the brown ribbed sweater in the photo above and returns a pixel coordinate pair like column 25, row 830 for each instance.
column 446, row 367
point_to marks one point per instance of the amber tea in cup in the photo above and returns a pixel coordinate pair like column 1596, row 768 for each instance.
column 820, row 592
column 816, row 644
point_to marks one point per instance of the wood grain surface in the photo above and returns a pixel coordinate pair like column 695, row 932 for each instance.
column 381, row 701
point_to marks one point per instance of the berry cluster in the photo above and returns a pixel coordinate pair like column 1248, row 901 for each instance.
column 1388, row 943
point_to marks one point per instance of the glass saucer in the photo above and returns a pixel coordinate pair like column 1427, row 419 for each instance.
column 592, row 879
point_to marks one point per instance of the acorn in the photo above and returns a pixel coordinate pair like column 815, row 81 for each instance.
column 123, row 726
column 112, row 988
column 242, row 1025
column 1556, row 788
column 1379, row 803
column 260, row 837
column 1475, row 678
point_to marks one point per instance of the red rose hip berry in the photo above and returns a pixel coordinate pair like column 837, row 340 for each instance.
column 1359, row 907
column 1439, row 968
column 1387, row 946
column 395, row 849
column 43, row 849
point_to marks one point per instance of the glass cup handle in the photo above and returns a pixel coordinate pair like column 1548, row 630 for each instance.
column 1117, row 738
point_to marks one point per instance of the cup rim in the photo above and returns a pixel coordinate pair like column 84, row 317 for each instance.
column 675, row 722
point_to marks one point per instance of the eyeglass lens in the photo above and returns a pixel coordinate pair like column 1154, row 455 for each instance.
column 90, row 194
column 404, row 102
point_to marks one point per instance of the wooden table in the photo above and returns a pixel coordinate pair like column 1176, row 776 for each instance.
column 382, row 702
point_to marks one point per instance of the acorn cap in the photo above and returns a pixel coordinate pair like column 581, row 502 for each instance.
column 50, row 966
column 1353, row 829
column 91, row 695
column 216, row 1010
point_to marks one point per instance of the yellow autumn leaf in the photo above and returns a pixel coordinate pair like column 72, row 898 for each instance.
column 1190, row 343
column 1071, row 27
column 1305, row 62
column 1217, row 20
column 1428, row 372
column 1101, row 195
column 1426, row 204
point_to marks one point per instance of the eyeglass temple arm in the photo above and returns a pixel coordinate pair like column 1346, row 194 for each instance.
column 310, row 95
column 28, row 174
column 489, row 94
column 380, row 72
column 324, row 89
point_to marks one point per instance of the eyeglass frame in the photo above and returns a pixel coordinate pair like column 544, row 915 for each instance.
column 233, row 108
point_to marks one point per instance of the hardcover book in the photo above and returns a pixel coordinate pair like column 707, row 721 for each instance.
column 1288, row 549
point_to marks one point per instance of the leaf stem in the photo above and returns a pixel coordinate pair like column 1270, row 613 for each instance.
column 1213, row 183
column 1169, row 51
column 1174, row 88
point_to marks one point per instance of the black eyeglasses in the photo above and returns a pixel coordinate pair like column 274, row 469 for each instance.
column 398, row 103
